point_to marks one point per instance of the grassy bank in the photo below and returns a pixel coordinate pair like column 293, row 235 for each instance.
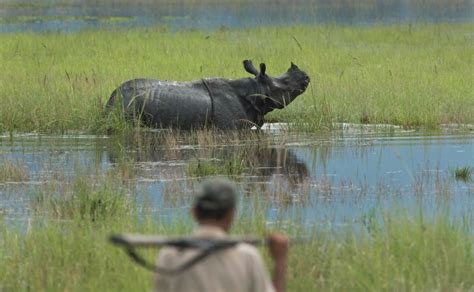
column 411, row 75
column 64, row 246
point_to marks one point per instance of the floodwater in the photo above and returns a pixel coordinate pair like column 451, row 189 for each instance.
column 76, row 15
column 328, row 180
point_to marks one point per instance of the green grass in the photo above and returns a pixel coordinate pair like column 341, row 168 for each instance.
column 410, row 75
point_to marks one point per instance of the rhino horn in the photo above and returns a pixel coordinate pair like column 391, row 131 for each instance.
column 263, row 68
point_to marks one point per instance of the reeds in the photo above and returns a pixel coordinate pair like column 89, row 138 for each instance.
column 203, row 168
column 84, row 199
column 12, row 172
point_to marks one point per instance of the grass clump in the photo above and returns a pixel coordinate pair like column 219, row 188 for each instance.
column 12, row 172
column 463, row 174
column 410, row 75
column 86, row 200
column 202, row 168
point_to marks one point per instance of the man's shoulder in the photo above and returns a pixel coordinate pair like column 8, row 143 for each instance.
column 248, row 250
column 167, row 253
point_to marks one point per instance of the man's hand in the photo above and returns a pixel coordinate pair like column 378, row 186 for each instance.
column 278, row 248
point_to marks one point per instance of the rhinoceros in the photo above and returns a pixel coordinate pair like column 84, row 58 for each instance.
column 212, row 102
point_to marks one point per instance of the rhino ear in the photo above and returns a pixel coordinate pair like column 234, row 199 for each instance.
column 250, row 68
column 293, row 66
column 263, row 68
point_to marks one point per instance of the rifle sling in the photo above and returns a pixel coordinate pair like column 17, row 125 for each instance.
column 210, row 248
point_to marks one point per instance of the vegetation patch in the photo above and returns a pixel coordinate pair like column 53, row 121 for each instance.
column 12, row 172
column 201, row 167
column 463, row 174
column 84, row 200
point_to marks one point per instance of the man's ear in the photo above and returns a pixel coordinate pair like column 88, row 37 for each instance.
column 193, row 213
column 231, row 213
column 229, row 218
column 250, row 68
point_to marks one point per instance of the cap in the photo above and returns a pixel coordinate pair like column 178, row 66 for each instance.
column 215, row 194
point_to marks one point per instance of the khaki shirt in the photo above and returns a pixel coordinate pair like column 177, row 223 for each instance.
column 238, row 268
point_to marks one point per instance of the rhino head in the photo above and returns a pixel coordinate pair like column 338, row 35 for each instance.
column 276, row 92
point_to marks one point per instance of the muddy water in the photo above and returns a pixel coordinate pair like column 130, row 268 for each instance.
column 327, row 179
column 75, row 15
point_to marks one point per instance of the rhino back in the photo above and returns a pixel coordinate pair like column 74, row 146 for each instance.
column 167, row 104
column 182, row 105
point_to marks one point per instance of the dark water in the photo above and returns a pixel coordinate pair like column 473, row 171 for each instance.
column 330, row 180
column 76, row 15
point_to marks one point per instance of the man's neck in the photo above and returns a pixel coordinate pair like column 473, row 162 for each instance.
column 214, row 223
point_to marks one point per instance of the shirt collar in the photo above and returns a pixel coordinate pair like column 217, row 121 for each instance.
column 209, row 231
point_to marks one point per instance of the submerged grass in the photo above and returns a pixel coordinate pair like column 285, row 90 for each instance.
column 87, row 200
column 463, row 174
column 411, row 75
column 12, row 172
column 203, row 168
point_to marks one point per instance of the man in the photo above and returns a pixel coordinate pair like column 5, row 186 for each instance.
column 238, row 268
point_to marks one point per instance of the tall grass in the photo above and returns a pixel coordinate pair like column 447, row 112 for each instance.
column 404, row 254
column 397, row 254
column 411, row 75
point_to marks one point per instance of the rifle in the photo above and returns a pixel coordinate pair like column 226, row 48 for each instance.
column 206, row 246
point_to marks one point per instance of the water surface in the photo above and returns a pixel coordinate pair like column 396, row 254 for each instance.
column 327, row 179
column 76, row 15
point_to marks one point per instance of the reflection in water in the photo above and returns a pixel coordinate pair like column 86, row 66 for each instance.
column 328, row 179
column 261, row 160
column 75, row 15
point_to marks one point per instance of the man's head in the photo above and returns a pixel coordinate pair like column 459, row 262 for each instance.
column 215, row 203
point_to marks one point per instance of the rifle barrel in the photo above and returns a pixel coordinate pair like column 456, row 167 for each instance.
column 139, row 240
